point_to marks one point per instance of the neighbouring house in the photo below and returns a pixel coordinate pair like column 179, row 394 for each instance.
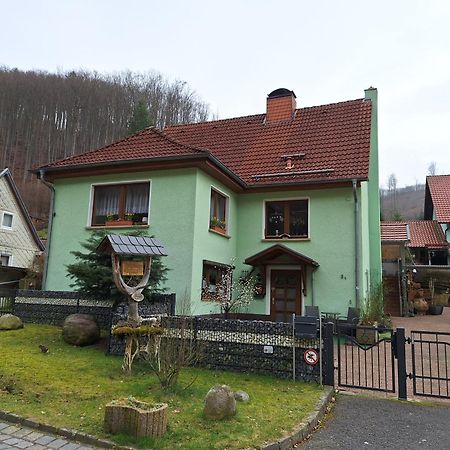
column 288, row 197
column 19, row 242
column 437, row 207
column 418, row 245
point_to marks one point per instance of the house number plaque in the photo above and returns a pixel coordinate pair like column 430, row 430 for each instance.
column 132, row 268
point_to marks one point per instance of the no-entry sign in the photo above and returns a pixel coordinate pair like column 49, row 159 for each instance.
column 311, row 356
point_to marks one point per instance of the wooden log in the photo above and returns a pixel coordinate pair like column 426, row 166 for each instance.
column 136, row 418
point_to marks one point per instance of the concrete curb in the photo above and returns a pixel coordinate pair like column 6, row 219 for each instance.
column 64, row 432
column 306, row 427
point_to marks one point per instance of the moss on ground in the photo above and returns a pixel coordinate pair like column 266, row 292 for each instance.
column 69, row 387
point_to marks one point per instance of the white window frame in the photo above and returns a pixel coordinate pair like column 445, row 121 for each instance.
column 227, row 208
column 284, row 199
column 4, row 227
column 10, row 259
column 112, row 183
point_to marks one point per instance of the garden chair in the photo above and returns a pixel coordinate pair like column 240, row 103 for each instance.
column 348, row 324
column 312, row 311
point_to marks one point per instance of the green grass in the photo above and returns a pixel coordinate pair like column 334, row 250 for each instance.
column 70, row 386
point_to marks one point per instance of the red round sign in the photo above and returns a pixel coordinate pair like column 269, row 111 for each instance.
column 311, row 356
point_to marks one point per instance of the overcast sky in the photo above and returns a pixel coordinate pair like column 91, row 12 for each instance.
column 233, row 53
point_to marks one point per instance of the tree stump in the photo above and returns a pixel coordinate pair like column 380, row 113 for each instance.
column 136, row 418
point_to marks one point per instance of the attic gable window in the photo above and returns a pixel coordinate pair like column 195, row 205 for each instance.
column 5, row 260
column 286, row 219
column 7, row 220
column 120, row 204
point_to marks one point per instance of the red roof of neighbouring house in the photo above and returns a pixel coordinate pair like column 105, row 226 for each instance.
column 426, row 233
column 419, row 233
column 394, row 231
column 330, row 143
column 439, row 188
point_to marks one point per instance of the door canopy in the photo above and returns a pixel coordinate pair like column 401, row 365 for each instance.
column 280, row 254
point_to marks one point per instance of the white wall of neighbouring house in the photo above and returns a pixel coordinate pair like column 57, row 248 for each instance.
column 17, row 240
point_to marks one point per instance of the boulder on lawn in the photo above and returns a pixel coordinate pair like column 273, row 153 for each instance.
column 10, row 322
column 241, row 396
column 80, row 330
column 219, row 402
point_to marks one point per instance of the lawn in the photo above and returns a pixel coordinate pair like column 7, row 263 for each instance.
column 70, row 386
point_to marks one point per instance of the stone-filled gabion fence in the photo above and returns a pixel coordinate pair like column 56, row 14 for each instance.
column 247, row 346
column 52, row 307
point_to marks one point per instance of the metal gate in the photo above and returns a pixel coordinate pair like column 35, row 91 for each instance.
column 430, row 363
column 366, row 358
column 386, row 363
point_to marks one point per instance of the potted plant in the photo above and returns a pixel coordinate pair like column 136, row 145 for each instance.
column 434, row 309
column 218, row 225
column 113, row 220
column 372, row 317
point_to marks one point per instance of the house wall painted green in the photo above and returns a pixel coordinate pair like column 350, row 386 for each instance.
column 179, row 216
column 373, row 193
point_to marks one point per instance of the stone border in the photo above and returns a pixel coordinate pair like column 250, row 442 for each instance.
column 306, row 427
column 64, row 432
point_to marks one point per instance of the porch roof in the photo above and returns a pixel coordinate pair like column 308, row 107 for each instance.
column 269, row 254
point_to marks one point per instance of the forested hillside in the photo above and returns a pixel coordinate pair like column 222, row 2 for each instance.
column 405, row 203
column 45, row 116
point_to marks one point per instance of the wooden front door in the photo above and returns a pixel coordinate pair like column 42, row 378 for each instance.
column 285, row 295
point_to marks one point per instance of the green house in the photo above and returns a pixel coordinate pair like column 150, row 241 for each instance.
column 288, row 197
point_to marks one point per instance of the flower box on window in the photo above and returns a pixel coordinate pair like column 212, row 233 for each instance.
column 119, row 223
column 217, row 229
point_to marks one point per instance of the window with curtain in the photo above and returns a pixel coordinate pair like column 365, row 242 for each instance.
column 121, row 204
column 287, row 219
column 218, row 212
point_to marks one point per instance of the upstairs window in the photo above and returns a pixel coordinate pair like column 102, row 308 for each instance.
column 7, row 220
column 121, row 204
column 286, row 219
column 218, row 212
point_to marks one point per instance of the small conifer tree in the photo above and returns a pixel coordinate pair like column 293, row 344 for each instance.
column 140, row 118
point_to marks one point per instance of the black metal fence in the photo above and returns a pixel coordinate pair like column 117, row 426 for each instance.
column 430, row 363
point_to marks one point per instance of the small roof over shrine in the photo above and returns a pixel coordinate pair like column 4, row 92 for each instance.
column 131, row 245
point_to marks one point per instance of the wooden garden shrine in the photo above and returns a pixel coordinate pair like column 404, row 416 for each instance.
column 142, row 248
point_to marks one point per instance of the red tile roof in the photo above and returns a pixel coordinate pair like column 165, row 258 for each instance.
column 149, row 143
column 331, row 144
column 419, row 233
column 426, row 233
column 439, row 186
column 394, row 232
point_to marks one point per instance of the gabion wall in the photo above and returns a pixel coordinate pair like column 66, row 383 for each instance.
column 245, row 346
column 52, row 307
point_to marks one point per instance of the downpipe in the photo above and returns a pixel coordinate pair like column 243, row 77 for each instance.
column 357, row 240
column 50, row 225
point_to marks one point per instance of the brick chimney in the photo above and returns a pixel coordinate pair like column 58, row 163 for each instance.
column 281, row 105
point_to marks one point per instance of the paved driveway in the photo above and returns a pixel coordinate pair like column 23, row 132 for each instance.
column 365, row 423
